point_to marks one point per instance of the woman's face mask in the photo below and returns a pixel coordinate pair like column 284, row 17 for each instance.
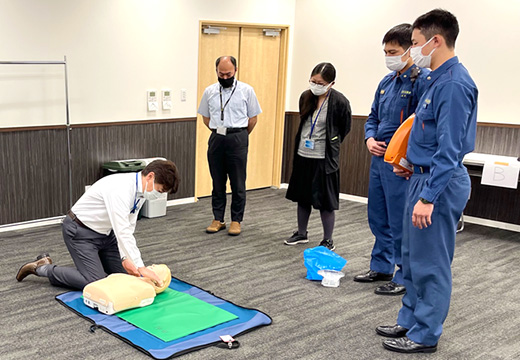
column 317, row 89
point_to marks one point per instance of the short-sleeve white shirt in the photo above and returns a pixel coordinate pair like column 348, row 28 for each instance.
column 242, row 105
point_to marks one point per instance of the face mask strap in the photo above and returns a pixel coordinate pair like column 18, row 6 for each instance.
column 403, row 54
column 426, row 43
column 146, row 186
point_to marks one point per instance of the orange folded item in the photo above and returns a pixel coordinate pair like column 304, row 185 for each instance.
column 396, row 151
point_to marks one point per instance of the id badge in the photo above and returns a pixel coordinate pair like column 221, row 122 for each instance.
column 221, row 130
column 309, row 144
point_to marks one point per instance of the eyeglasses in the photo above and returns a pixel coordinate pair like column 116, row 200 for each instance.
column 315, row 83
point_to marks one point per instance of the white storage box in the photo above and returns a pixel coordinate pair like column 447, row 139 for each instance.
column 154, row 208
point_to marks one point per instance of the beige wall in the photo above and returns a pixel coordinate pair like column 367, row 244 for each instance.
column 348, row 33
column 116, row 50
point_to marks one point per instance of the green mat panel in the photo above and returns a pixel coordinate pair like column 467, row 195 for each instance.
column 175, row 314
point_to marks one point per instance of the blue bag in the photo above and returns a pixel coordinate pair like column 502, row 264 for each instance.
column 321, row 258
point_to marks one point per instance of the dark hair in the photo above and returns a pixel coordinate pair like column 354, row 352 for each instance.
column 401, row 34
column 310, row 101
column 326, row 70
column 440, row 22
column 166, row 174
column 231, row 58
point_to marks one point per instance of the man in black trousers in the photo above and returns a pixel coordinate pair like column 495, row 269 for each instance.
column 99, row 229
column 229, row 109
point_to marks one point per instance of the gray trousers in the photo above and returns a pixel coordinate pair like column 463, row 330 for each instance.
column 95, row 256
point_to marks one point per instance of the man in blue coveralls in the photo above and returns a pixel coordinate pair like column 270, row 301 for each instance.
column 443, row 132
column 396, row 98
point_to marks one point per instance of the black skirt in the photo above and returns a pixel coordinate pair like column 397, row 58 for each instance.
column 310, row 185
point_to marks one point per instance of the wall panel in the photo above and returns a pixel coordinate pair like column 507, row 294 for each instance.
column 94, row 145
column 486, row 202
column 292, row 120
column 34, row 174
column 498, row 140
column 34, row 161
column 355, row 160
column 354, row 157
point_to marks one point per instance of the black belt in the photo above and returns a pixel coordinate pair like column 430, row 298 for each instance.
column 76, row 220
column 232, row 130
column 421, row 169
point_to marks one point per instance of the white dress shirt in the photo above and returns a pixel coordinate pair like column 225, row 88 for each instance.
column 107, row 206
column 242, row 105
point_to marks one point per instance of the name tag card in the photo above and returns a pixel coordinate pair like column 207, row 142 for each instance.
column 309, row 144
column 501, row 173
column 221, row 130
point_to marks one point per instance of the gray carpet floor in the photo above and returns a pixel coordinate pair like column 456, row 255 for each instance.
column 257, row 270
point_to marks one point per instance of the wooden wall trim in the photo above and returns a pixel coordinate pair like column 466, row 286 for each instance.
column 485, row 124
column 86, row 125
column 501, row 125
column 356, row 117
column 33, row 128
column 136, row 122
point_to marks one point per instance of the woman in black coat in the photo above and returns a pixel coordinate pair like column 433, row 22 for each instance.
column 325, row 118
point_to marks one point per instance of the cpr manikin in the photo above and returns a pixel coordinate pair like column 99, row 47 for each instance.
column 119, row 292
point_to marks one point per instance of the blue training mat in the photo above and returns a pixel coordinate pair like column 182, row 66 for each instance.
column 248, row 319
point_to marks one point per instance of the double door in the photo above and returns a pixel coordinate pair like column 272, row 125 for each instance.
column 261, row 54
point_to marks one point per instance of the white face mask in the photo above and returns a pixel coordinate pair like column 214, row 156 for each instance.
column 394, row 63
column 151, row 195
column 319, row 89
column 419, row 59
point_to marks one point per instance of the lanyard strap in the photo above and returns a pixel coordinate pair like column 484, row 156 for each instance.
column 136, row 200
column 313, row 124
column 223, row 107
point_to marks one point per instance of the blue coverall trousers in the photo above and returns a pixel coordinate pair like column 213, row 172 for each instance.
column 427, row 255
column 386, row 198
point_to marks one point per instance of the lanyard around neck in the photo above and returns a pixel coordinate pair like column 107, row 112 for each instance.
column 227, row 102
column 313, row 124
column 136, row 200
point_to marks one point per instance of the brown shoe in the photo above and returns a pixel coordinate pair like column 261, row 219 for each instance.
column 234, row 228
column 30, row 267
column 215, row 226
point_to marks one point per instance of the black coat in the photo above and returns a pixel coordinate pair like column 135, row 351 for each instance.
column 339, row 118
